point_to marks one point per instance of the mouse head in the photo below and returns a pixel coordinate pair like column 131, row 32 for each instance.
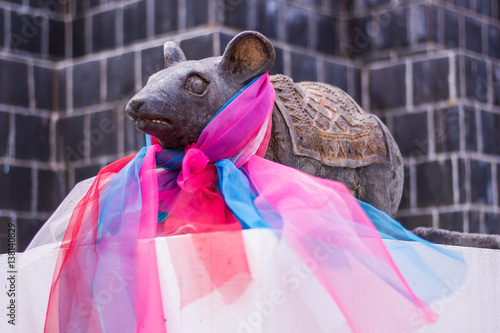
column 178, row 101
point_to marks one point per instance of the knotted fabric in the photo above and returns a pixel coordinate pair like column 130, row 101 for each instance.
column 106, row 278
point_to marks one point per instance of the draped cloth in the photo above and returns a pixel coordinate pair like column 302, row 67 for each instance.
column 222, row 183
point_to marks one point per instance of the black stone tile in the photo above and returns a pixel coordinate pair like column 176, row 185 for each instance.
column 267, row 17
column 394, row 29
column 32, row 138
column 387, row 87
column 369, row 4
column 303, row 67
column 197, row 13
column 79, row 39
column 484, row 7
column 434, row 184
column 71, row 145
column 414, row 221
column 359, row 41
column 51, row 186
column 120, row 77
column 356, row 90
column 453, row 221
column 476, row 83
column 492, row 223
column 14, row 83
column 103, row 31
column 494, row 41
column 103, row 136
column 86, row 172
column 57, row 6
column 463, row 177
column 310, row 2
column 427, row 26
column 235, row 14
column 86, row 84
column 471, row 136
column 134, row 139
column 26, row 230
column 57, row 44
column 326, row 34
column 224, row 41
column 296, row 25
column 447, row 130
column 463, row 3
column 44, row 87
column 473, row 38
column 498, row 183
column 2, row 31
column 7, row 230
column 490, row 123
column 451, row 32
column 481, row 182
column 165, row 16
column 410, row 132
column 81, row 6
column 61, row 89
column 496, row 84
column 26, row 32
column 152, row 61
column 430, row 81
column 278, row 66
column 15, row 192
column 134, row 22
column 457, row 78
column 336, row 74
column 4, row 132
column 198, row 47
column 406, row 196
column 474, row 223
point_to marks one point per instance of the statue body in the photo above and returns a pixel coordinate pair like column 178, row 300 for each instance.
column 317, row 128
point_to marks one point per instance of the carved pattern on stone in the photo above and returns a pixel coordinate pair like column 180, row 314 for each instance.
column 326, row 124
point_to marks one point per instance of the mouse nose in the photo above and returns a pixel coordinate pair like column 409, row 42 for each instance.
column 133, row 107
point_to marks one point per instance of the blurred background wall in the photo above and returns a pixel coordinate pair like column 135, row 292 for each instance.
column 429, row 69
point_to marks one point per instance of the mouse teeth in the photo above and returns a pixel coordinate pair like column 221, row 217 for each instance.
column 159, row 121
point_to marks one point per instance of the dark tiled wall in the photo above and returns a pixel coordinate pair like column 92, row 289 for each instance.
column 430, row 70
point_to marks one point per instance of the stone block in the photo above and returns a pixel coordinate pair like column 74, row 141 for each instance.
column 134, row 22
column 387, row 87
column 410, row 132
column 434, row 184
column 447, row 130
column 303, row 67
column 103, row 136
column 198, row 47
column 430, row 80
column 481, row 182
column 32, row 138
column 197, row 13
column 165, row 16
column 86, row 84
column 15, row 192
column 120, row 78
column 103, row 31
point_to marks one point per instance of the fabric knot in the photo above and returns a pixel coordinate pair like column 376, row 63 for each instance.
column 196, row 173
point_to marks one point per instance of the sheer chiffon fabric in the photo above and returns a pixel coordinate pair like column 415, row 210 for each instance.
column 222, row 183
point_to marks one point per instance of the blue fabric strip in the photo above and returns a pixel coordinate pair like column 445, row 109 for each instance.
column 236, row 191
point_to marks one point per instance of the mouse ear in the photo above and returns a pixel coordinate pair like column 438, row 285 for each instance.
column 172, row 54
column 247, row 56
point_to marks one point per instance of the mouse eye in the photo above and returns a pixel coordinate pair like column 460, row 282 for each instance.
column 196, row 85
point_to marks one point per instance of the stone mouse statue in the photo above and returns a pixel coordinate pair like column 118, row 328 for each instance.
column 317, row 128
